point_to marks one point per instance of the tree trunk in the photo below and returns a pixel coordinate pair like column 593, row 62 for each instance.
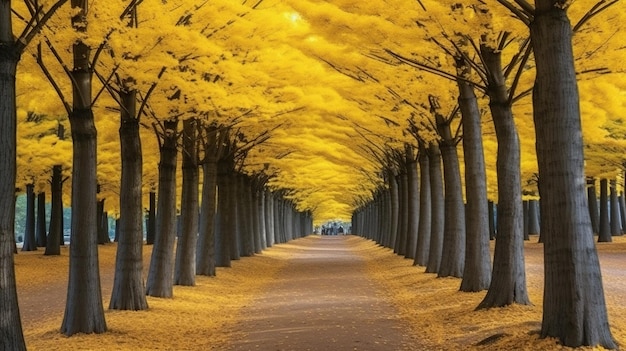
column 477, row 272
column 533, row 217
column 492, row 219
column 508, row 279
column 236, row 243
column 395, row 208
column 11, row 335
column 244, row 211
column 403, row 213
column 453, row 254
column 205, row 255
column 256, row 214
column 55, row 233
column 223, row 236
column 593, row 205
column 185, row 267
column 424, row 227
column 262, row 217
column 128, row 291
column 413, row 204
column 616, row 222
column 269, row 217
column 604, row 235
column 151, row 225
column 160, row 281
column 84, row 312
column 437, row 209
column 622, row 211
column 30, row 243
column 40, row 233
column 574, row 310
column 103, row 231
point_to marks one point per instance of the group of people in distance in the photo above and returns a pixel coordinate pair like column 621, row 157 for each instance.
column 332, row 229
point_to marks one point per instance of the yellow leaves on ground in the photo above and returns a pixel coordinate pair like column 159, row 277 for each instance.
column 197, row 318
column 443, row 317
column 202, row 317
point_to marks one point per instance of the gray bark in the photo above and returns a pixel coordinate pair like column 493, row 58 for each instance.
column 11, row 336
column 55, row 232
column 403, row 213
column 413, row 204
column 477, row 270
column 508, row 279
column 593, row 205
column 437, row 209
column 160, row 280
column 574, row 310
column 185, row 264
column 84, row 312
column 616, row 222
column 424, row 227
column 128, row 291
column 604, row 235
column 224, row 236
column 41, row 220
column 30, row 243
column 395, row 208
column 453, row 254
column 151, row 221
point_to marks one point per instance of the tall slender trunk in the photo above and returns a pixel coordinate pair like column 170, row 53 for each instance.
column 224, row 236
column 424, row 227
column 437, row 209
column 533, row 217
column 55, row 233
column 403, row 213
column 574, row 310
column 477, row 272
column 160, row 281
column 151, row 221
column 205, row 254
column 616, row 223
column 508, row 279
column 413, row 203
column 453, row 254
column 262, row 217
column 269, row 221
column 604, row 233
column 41, row 220
column 395, row 207
column 593, row 205
column 29, row 228
column 245, row 215
column 128, row 291
column 84, row 311
column 185, row 266
column 11, row 334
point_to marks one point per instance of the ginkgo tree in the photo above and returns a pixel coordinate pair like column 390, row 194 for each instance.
column 35, row 15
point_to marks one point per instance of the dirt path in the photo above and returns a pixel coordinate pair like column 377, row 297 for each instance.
column 322, row 300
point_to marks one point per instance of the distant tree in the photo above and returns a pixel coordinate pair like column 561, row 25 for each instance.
column 29, row 229
column 40, row 233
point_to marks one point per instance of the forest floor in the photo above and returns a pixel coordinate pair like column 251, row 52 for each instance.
column 314, row 293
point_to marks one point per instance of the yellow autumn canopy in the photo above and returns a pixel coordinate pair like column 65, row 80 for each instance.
column 315, row 74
